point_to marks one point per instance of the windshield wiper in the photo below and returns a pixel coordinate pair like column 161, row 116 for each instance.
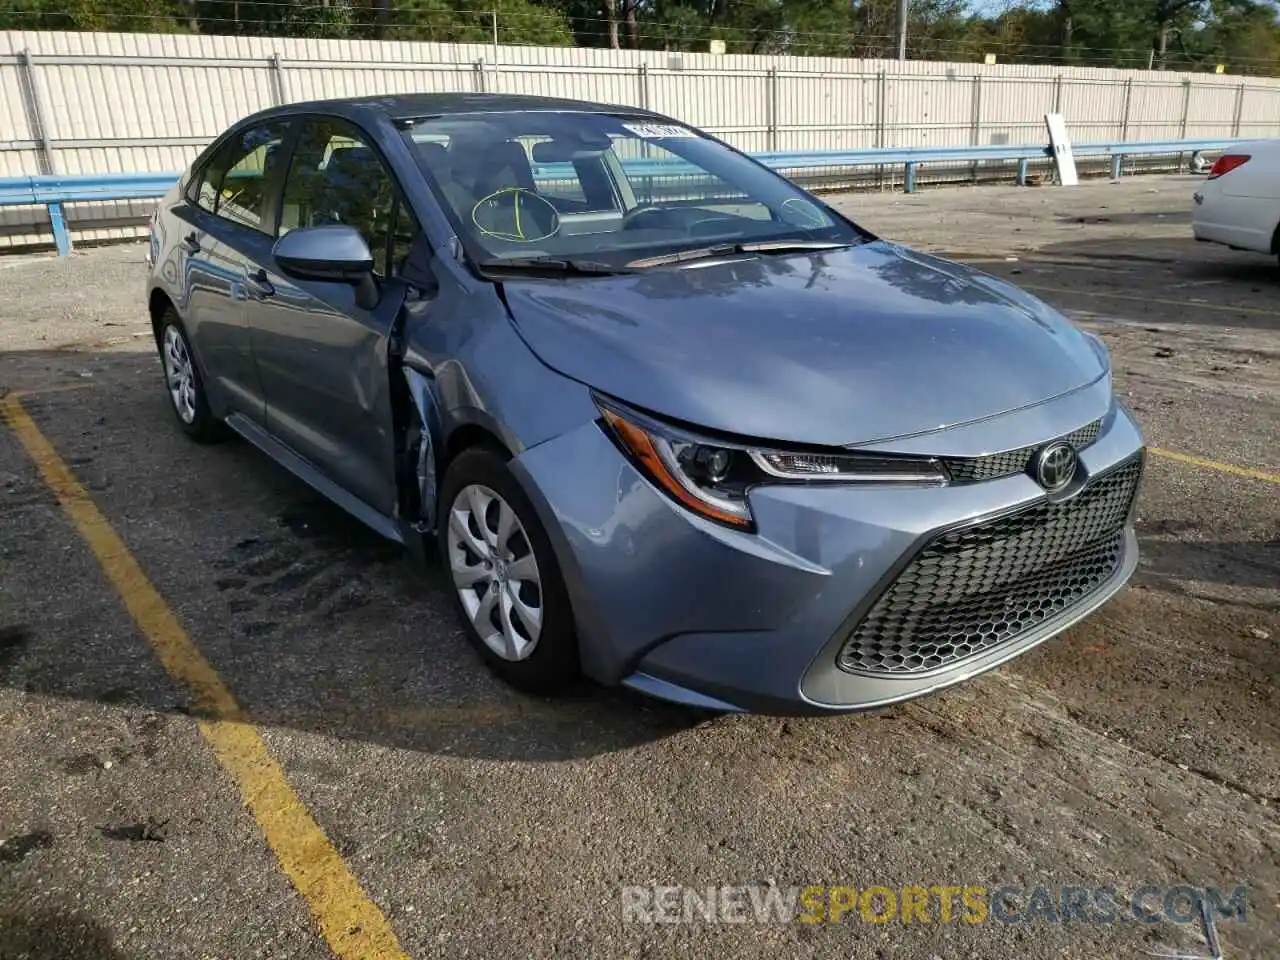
column 724, row 249
column 559, row 265
column 782, row 246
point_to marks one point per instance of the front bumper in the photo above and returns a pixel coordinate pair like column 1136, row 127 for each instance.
column 688, row 610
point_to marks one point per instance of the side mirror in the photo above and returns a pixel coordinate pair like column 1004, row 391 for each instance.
column 336, row 253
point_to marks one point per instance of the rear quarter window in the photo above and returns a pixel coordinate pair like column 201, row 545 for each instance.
column 234, row 183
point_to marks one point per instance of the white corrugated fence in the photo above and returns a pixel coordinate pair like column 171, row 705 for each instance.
column 100, row 103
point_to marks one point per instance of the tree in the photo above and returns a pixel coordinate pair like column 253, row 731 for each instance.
column 471, row 21
column 1190, row 34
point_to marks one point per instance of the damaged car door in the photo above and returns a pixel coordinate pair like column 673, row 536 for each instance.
column 321, row 346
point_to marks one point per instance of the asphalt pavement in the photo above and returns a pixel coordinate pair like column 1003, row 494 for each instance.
column 236, row 724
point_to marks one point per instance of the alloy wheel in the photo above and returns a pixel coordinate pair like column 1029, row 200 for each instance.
column 495, row 572
column 179, row 374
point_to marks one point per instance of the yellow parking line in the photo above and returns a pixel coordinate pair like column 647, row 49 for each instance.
column 1230, row 468
column 1184, row 304
column 351, row 923
column 41, row 391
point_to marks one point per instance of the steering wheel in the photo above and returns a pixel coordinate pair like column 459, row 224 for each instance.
column 635, row 219
column 799, row 212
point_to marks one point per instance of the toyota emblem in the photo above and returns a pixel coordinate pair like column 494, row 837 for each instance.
column 1054, row 466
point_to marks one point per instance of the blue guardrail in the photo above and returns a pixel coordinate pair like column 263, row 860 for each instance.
column 55, row 190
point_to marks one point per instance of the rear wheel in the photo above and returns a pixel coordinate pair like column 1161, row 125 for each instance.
column 182, row 379
column 507, row 586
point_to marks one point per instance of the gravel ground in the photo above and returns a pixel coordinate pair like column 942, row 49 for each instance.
column 1141, row 747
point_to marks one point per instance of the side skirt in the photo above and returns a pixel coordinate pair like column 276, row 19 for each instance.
column 308, row 474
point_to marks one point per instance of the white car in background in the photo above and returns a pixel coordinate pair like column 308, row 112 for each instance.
column 1239, row 204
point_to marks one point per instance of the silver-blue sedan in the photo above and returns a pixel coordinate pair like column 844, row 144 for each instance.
column 667, row 419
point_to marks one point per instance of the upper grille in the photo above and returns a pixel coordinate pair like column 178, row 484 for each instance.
column 970, row 469
column 979, row 586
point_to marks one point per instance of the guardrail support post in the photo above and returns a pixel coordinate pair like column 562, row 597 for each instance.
column 1115, row 166
column 1022, row 172
column 61, row 235
column 910, row 184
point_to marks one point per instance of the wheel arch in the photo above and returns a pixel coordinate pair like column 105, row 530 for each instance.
column 429, row 438
column 158, row 302
column 470, row 434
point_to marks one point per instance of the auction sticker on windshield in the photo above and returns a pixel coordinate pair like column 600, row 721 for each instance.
column 658, row 131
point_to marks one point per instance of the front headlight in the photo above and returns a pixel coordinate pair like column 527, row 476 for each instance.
column 712, row 476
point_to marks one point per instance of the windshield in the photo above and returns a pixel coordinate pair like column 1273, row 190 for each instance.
column 605, row 190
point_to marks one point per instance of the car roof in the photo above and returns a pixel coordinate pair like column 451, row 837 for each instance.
column 410, row 106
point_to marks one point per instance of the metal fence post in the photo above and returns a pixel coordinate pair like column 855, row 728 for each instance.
column 277, row 78
column 882, row 110
column 882, row 82
column 1128, row 100
column 975, row 131
column 1235, row 124
column 33, row 102
column 477, row 70
column 642, row 75
column 494, row 14
column 1186, row 108
column 772, row 80
column 1057, row 94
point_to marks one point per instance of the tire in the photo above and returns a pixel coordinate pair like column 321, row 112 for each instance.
column 183, row 382
column 494, row 602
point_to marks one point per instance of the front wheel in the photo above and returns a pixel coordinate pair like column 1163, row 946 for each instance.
column 182, row 379
column 507, row 585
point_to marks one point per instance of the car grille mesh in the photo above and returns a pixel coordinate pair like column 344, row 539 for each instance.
column 974, row 588
column 971, row 469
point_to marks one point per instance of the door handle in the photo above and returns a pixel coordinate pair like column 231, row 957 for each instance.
column 192, row 242
column 259, row 286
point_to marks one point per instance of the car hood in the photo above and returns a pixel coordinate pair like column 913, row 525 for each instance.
column 841, row 347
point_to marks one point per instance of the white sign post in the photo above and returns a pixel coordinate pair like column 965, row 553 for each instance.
column 1060, row 143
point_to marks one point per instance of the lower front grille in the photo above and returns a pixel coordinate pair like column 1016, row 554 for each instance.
column 971, row 589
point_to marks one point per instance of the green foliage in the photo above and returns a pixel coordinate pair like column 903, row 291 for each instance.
column 471, row 21
column 117, row 16
column 1243, row 35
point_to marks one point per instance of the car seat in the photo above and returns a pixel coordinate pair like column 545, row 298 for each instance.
column 437, row 161
column 505, row 165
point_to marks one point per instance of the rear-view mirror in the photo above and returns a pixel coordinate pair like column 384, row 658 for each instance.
column 564, row 151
